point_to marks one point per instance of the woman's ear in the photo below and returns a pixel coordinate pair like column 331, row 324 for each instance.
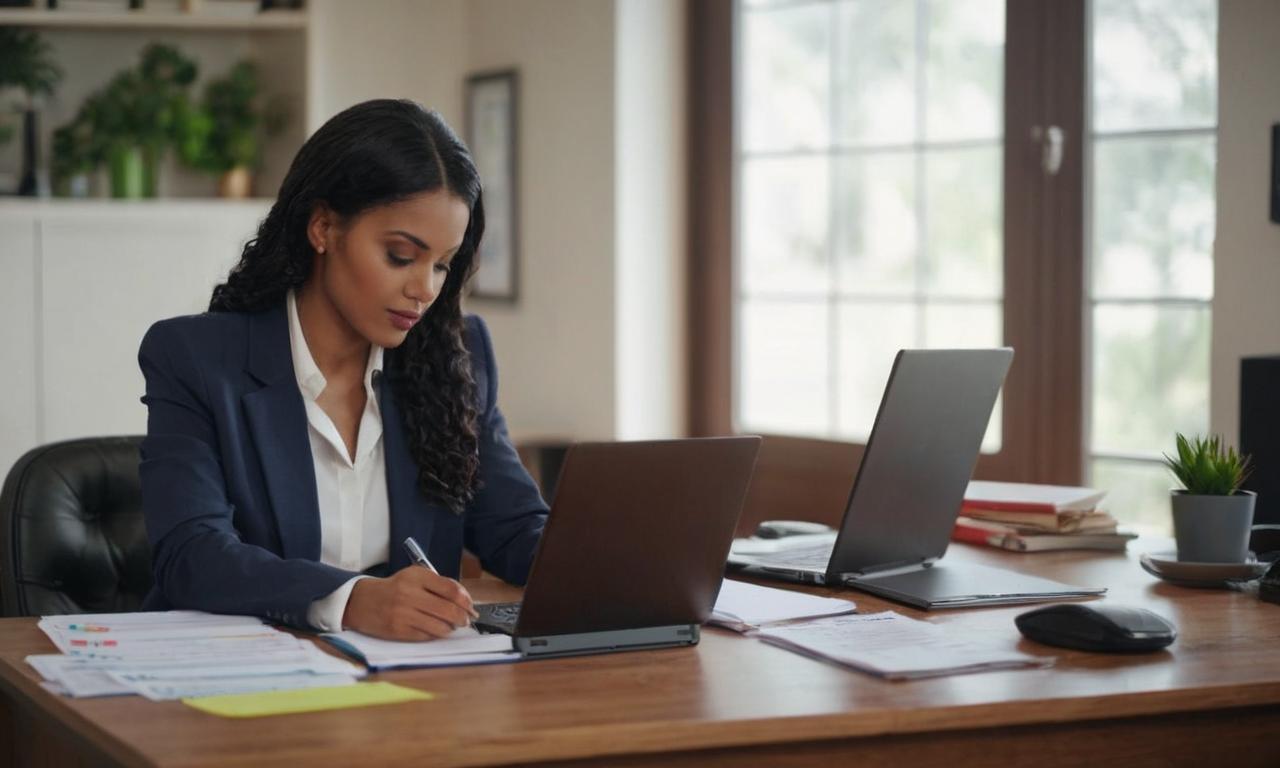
column 321, row 227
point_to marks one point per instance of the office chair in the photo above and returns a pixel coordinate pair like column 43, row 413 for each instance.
column 71, row 530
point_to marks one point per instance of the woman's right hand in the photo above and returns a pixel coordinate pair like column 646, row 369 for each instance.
column 411, row 604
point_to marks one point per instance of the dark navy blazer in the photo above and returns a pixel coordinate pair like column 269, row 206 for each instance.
column 229, row 486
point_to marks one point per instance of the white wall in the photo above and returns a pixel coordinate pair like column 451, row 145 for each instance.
column 555, row 346
column 593, row 347
column 1246, row 306
column 650, row 216
column 371, row 49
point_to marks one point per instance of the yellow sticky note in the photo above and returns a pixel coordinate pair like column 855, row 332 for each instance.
column 306, row 700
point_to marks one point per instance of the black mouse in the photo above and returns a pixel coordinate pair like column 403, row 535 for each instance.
column 1102, row 627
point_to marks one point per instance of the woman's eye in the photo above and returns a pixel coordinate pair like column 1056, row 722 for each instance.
column 442, row 267
column 396, row 260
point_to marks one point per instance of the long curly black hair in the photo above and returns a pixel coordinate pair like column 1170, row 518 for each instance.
column 372, row 154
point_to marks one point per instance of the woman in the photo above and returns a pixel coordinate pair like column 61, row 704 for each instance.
column 334, row 401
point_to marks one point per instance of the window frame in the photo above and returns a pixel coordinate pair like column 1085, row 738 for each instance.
column 1044, row 289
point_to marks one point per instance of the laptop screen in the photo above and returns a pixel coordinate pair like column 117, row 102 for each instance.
column 920, row 457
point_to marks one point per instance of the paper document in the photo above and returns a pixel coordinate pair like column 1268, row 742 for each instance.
column 757, row 546
column 893, row 646
column 742, row 607
column 464, row 646
column 87, row 677
column 175, row 654
column 166, row 690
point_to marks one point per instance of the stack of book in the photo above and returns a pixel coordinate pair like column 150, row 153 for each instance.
column 1036, row 518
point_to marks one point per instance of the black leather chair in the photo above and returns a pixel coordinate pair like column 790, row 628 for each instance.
column 71, row 532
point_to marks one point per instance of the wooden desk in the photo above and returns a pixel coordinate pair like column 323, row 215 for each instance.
column 1213, row 697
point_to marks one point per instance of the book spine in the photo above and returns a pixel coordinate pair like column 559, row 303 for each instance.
column 967, row 535
column 1009, row 506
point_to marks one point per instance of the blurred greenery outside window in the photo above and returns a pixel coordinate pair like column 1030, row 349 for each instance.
column 870, row 203
column 1150, row 164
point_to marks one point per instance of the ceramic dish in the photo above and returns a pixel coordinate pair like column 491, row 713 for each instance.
column 1167, row 566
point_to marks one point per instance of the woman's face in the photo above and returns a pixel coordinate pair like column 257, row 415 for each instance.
column 383, row 269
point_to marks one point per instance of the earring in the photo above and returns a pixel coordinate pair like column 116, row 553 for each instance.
column 320, row 250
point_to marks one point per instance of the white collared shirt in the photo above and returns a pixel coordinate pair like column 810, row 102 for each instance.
column 355, row 517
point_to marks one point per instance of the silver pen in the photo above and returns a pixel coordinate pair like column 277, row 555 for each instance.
column 417, row 555
column 420, row 558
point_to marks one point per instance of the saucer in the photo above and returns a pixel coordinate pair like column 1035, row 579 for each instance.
column 1167, row 566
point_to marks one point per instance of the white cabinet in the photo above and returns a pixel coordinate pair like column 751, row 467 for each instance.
column 80, row 283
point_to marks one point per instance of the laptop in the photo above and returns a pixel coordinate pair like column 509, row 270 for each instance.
column 918, row 461
column 634, row 549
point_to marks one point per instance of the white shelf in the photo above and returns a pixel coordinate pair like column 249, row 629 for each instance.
column 41, row 17
column 98, row 206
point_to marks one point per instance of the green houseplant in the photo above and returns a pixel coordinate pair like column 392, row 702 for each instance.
column 27, row 68
column 130, row 122
column 223, row 136
column 1211, row 515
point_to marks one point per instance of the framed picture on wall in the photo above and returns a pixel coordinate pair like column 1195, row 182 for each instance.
column 492, row 123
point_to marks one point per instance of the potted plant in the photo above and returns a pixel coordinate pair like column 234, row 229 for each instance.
column 74, row 158
column 224, row 135
column 130, row 122
column 1211, row 515
column 26, row 64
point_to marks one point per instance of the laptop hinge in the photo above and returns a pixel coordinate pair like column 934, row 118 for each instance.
column 888, row 569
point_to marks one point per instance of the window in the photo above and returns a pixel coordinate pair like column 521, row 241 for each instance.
column 1153, row 126
column 869, row 201
column 890, row 182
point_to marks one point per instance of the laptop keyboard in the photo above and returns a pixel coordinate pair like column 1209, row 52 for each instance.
column 498, row 617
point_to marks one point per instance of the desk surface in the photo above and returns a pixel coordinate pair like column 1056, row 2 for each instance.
column 732, row 693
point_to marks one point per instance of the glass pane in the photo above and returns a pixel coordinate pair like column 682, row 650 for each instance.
column 1137, row 494
column 876, row 71
column 870, row 337
column 786, row 77
column 783, row 241
column 770, row 3
column 965, row 252
column 784, row 352
column 962, row 326
column 1150, row 376
column 965, row 71
column 876, row 223
column 966, row 326
column 1153, row 217
column 1155, row 64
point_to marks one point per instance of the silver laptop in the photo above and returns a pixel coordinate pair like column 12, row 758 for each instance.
column 921, row 454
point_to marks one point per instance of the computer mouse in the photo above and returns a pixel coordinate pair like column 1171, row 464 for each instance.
column 779, row 529
column 1101, row 627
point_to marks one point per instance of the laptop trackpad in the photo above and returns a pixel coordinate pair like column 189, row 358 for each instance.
column 955, row 584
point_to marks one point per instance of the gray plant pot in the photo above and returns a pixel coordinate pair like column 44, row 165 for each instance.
column 1212, row 529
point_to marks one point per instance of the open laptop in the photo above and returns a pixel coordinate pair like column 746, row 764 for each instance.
column 634, row 548
column 918, row 461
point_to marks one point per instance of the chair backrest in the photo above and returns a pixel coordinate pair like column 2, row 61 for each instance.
column 72, row 538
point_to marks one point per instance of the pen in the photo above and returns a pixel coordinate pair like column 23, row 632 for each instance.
column 417, row 555
column 420, row 558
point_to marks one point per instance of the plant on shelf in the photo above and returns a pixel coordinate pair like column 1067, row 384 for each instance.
column 223, row 135
column 75, row 155
column 1211, row 514
column 26, row 67
column 132, row 121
